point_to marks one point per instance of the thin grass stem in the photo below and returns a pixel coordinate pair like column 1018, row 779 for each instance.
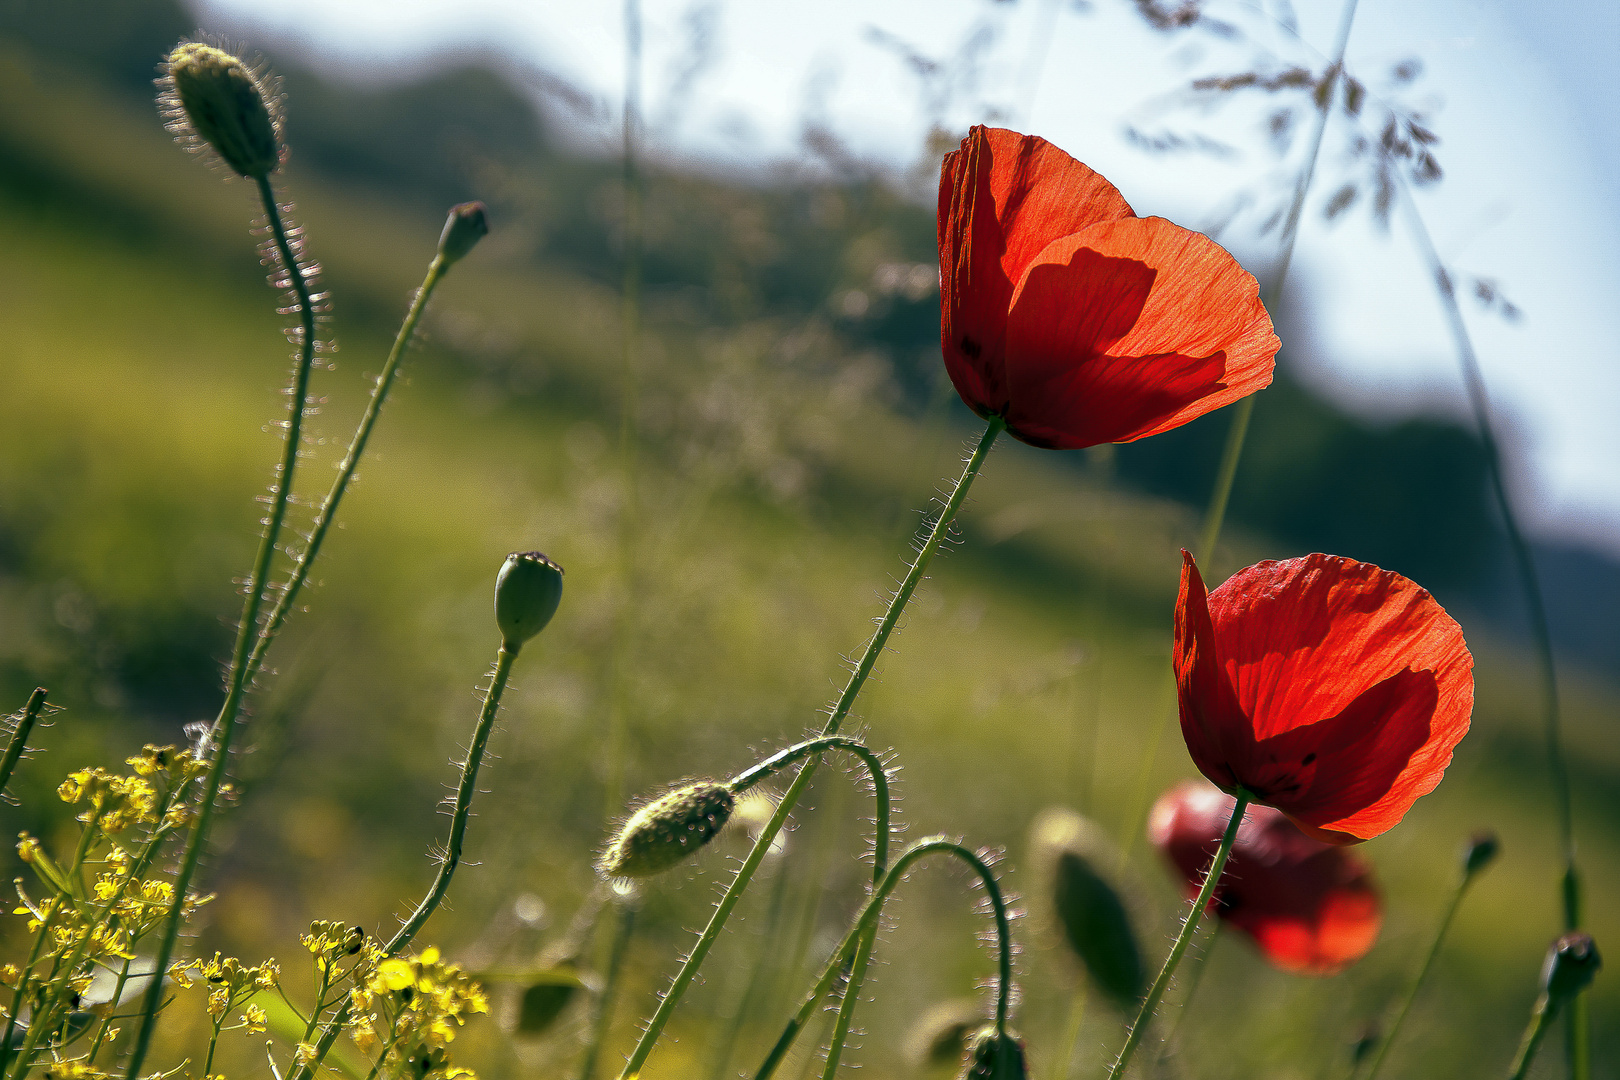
column 1541, row 1018
column 624, row 928
column 1189, row 927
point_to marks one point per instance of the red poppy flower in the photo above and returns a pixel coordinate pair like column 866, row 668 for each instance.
column 1328, row 688
column 1072, row 318
column 1312, row 908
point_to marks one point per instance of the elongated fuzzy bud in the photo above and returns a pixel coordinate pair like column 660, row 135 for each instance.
column 224, row 105
column 1084, row 905
column 544, row 1000
column 1481, row 851
column 664, row 832
column 941, row 1034
column 995, row 1057
column 527, row 592
column 468, row 223
column 1572, row 963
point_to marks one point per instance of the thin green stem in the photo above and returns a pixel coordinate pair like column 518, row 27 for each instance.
column 236, row 683
column 106, row 1021
column 866, row 921
column 1064, row 1065
column 1199, row 963
column 19, row 735
column 747, row 1002
column 452, row 850
column 287, row 595
column 851, row 999
column 623, row 929
column 1422, row 974
column 795, row 791
column 1541, row 1018
column 1524, row 563
column 1183, row 939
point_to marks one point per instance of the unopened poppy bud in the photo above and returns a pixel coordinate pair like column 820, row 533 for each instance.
column 1572, row 963
column 1085, row 906
column 995, row 1056
column 527, row 591
column 468, row 223
column 224, row 104
column 667, row 830
column 1481, row 851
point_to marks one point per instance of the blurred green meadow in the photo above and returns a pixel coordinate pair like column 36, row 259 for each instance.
column 784, row 438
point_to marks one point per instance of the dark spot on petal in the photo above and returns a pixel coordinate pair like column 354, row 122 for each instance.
column 1309, row 758
column 970, row 348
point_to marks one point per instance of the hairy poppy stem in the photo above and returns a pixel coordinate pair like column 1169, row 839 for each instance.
column 1423, row 972
column 247, row 630
column 1479, row 402
column 1183, row 939
column 19, row 735
column 795, row 791
column 865, row 926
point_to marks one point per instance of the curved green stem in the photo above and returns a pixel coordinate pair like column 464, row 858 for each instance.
column 1422, row 974
column 452, row 850
column 236, row 683
column 1183, row 939
column 866, row 924
column 874, row 771
column 287, row 595
column 790, row 798
column 19, row 736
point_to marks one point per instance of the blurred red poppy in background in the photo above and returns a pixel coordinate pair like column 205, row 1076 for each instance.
column 1328, row 688
column 1075, row 320
column 1312, row 908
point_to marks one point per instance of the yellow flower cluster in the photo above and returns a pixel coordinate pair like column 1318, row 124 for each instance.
column 419, row 1002
column 114, row 802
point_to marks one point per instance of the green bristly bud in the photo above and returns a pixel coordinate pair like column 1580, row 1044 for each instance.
column 664, row 832
column 1481, row 851
column 1572, row 963
column 468, row 223
column 224, row 105
column 527, row 592
column 1085, row 906
column 995, row 1057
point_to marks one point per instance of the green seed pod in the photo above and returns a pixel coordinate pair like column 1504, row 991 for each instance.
column 940, row 1035
column 668, row 829
column 1572, row 963
column 212, row 96
column 1481, row 851
column 1085, row 907
column 468, row 223
column 527, row 591
column 995, row 1057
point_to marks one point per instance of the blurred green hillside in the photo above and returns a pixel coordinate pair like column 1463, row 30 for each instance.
column 790, row 421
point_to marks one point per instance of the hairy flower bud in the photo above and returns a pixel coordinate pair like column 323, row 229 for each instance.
column 214, row 96
column 1572, row 963
column 667, row 830
column 1084, row 904
column 527, row 591
column 993, row 1056
column 468, row 223
column 1481, row 851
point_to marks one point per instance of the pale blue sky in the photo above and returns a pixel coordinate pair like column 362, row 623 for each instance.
column 1521, row 98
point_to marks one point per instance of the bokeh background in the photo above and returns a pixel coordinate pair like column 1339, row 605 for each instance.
column 788, row 420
